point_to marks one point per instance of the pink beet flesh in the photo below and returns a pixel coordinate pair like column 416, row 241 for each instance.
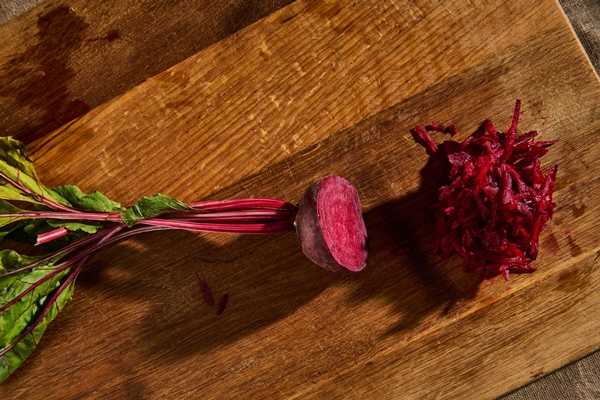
column 330, row 225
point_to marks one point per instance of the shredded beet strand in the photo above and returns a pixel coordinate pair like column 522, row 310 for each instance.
column 497, row 199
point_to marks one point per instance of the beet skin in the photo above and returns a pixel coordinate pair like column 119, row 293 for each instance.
column 330, row 225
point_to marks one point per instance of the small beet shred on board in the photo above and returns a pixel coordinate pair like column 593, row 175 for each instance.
column 496, row 200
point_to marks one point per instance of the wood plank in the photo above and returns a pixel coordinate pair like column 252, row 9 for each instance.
column 194, row 115
column 64, row 58
column 408, row 326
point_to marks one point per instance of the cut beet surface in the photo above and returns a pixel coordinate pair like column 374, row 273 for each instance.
column 330, row 225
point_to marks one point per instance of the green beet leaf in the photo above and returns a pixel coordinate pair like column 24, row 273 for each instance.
column 149, row 207
column 17, row 167
column 39, row 295
column 11, row 260
column 95, row 201
column 75, row 226
column 13, row 358
column 19, row 182
column 14, row 153
column 7, row 208
column 8, row 222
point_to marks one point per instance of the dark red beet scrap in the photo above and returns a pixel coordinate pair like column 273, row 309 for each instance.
column 222, row 304
column 207, row 294
column 209, row 299
column 497, row 199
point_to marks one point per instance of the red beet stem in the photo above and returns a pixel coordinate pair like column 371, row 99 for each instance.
column 221, row 205
column 246, row 216
column 237, row 228
column 50, row 236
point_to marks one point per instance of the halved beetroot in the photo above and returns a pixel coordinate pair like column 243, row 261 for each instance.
column 330, row 225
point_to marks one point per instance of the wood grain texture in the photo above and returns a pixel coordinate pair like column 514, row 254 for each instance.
column 351, row 81
column 256, row 98
column 64, row 58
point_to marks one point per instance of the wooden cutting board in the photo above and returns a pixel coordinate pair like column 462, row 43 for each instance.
column 66, row 57
column 324, row 87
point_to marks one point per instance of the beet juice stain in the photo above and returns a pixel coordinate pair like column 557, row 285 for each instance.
column 40, row 76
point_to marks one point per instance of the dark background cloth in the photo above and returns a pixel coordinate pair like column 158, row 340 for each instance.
column 581, row 379
column 584, row 16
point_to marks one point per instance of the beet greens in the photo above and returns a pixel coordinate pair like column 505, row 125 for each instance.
column 497, row 199
column 33, row 290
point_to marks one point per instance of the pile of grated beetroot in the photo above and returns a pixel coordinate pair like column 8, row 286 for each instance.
column 497, row 200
